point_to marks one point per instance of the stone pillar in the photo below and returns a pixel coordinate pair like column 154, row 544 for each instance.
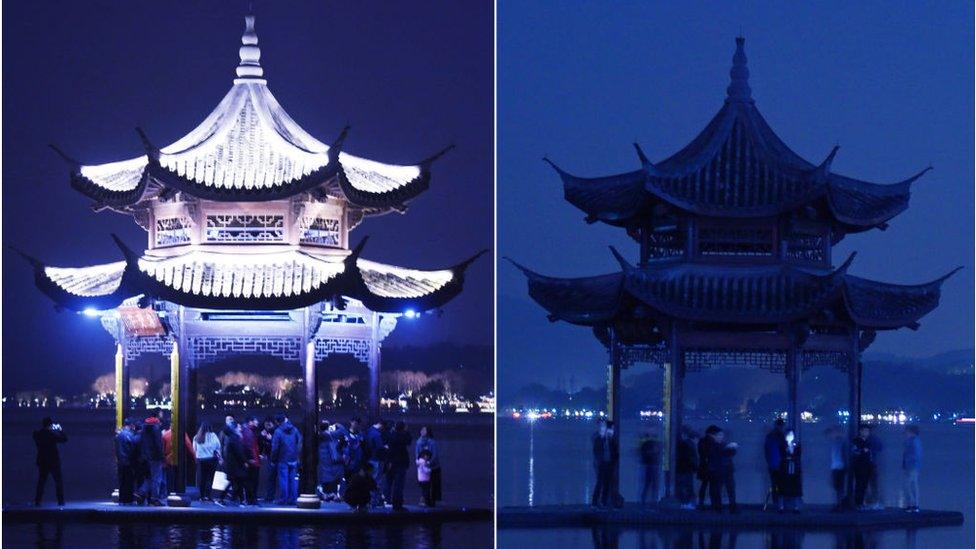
column 792, row 385
column 674, row 386
column 374, row 366
column 853, row 404
column 613, row 403
column 308, row 497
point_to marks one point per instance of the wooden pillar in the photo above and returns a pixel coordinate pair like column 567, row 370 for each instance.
column 674, row 404
column 308, row 481
column 374, row 366
column 121, row 383
column 179, row 406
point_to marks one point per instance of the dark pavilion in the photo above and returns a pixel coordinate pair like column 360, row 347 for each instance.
column 735, row 268
column 248, row 219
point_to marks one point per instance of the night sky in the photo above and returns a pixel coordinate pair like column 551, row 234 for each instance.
column 891, row 83
column 83, row 75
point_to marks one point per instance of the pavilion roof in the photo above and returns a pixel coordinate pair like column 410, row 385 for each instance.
column 746, row 295
column 266, row 280
column 250, row 149
column 737, row 167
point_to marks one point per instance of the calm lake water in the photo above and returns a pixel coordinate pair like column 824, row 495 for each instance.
column 88, row 466
column 549, row 462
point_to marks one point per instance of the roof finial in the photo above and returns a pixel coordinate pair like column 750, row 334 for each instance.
column 250, row 66
column 739, row 89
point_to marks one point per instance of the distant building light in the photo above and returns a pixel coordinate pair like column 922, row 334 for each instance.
column 410, row 313
column 91, row 312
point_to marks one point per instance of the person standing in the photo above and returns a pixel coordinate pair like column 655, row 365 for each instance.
column 206, row 449
column 46, row 439
column 874, row 493
column 377, row 450
column 249, row 439
column 235, row 457
column 704, row 454
column 686, row 458
column 264, row 447
column 331, row 464
column 790, row 478
column 126, row 446
column 286, row 451
column 911, row 463
column 399, row 463
column 605, row 454
column 169, row 450
column 772, row 449
column 426, row 441
column 423, row 476
column 721, row 471
column 151, row 453
column 839, row 452
column 650, row 458
column 862, row 464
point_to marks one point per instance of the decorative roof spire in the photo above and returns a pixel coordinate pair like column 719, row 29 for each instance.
column 250, row 66
column 739, row 89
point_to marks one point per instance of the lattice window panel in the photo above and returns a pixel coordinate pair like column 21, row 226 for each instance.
column 835, row 359
column 321, row 231
column 245, row 228
column 644, row 354
column 359, row 348
column 698, row 360
column 804, row 247
column 735, row 241
column 664, row 245
column 138, row 346
column 173, row 231
column 208, row 348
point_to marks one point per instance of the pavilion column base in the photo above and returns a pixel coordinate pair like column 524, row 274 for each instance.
column 178, row 500
column 115, row 495
column 309, row 501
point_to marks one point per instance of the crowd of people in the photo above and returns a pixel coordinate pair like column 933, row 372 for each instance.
column 854, row 466
column 240, row 461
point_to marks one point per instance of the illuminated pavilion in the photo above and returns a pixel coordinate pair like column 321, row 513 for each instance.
column 735, row 233
column 248, row 218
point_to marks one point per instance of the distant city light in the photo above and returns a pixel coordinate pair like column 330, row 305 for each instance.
column 410, row 313
column 91, row 312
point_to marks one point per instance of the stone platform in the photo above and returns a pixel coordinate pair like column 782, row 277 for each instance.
column 329, row 514
column 812, row 517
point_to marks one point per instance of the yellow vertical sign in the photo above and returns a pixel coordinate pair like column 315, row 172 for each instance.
column 666, row 408
column 120, row 390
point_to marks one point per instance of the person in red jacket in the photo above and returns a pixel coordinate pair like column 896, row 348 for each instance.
column 170, row 452
column 249, row 437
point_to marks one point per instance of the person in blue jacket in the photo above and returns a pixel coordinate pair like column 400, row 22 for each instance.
column 126, row 460
column 286, row 452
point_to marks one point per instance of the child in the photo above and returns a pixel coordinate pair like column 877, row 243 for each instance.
column 423, row 477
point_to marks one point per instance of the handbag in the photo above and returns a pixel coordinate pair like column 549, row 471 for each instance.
column 220, row 481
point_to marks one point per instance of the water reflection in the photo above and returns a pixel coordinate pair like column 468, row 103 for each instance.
column 531, row 465
column 144, row 536
column 615, row 537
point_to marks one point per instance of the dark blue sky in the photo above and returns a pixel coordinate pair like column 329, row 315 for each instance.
column 891, row 83
column 409, row 79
